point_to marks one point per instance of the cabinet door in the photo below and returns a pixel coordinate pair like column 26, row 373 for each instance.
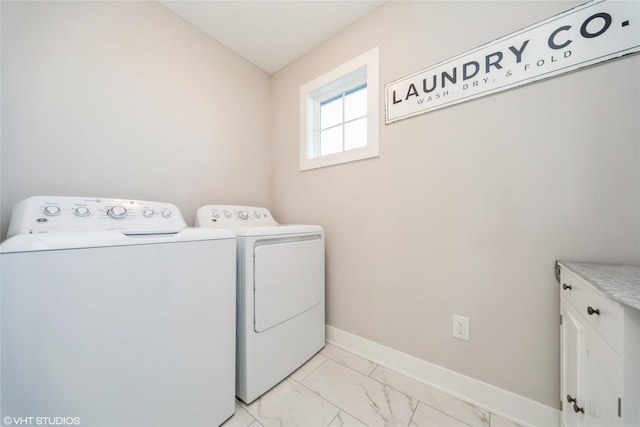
column 603, row 383
column 572, row 357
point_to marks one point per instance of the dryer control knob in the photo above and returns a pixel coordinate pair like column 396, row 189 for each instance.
column 117, row 212
column 166, row 213
column 82, row 211
column 243, row 214
column 215, row 214
column 52, row 210
column 227, row 214
column 256, row 214
column 148, row 213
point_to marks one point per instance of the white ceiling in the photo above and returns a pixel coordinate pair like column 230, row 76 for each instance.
column 271, row 33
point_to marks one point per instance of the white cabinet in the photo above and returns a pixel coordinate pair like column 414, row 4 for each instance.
column 600, row 356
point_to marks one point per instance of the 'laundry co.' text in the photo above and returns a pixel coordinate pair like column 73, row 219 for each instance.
column 595, row 32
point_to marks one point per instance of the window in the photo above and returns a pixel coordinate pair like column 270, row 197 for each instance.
column 343, row 122
column 339, row 114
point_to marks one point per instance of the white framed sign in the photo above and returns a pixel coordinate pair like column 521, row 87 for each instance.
column 591, row 33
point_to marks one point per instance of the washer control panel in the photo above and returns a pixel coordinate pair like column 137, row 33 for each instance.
column 44, row 214
column 229, row 215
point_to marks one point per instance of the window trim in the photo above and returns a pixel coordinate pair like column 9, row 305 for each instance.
column 334, row 82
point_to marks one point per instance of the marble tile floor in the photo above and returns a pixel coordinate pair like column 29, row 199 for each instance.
column 338, row 388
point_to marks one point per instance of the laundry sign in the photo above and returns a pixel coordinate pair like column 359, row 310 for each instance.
column 591, row 33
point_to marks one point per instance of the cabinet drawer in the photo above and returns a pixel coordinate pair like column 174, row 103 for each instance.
column 605, row 315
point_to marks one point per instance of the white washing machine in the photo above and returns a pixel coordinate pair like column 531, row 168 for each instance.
column 280, row 294
column 115, row 314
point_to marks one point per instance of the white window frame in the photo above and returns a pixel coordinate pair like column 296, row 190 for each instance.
column 356, row 72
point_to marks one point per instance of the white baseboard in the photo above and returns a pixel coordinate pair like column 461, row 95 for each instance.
column 499, row 401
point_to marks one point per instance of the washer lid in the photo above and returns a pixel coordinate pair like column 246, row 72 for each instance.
column 96, row 239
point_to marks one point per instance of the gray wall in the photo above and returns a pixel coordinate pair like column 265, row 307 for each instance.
column 467, row 208
column 125, row 99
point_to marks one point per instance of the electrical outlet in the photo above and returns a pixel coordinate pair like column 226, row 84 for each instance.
column 461, row 327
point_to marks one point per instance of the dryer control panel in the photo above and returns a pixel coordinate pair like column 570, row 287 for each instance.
column 230, row 215
column 44, row 214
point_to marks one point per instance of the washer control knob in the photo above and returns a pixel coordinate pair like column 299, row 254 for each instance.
column 243, row 215
column 227, row 214
column 148, row 213
column 165, row 213
column 215, row 214
column 256, row 214
column 117, row 212
column 52, row 210
column 82, row 211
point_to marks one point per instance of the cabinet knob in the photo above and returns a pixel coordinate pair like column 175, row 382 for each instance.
column 565, row 286
column 593, row 311
column 576, row 408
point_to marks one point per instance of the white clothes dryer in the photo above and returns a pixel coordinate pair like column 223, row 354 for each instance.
column 115, row 314
column 280, row 294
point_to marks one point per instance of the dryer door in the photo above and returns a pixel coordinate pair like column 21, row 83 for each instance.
column 289, row 279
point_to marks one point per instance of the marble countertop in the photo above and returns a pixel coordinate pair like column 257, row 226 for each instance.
column 621, row 283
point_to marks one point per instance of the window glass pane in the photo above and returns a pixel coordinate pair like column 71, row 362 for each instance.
column 355, row 104
column 331, row 141
column 331, row 113
column 336, row 105
column 355, row 134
